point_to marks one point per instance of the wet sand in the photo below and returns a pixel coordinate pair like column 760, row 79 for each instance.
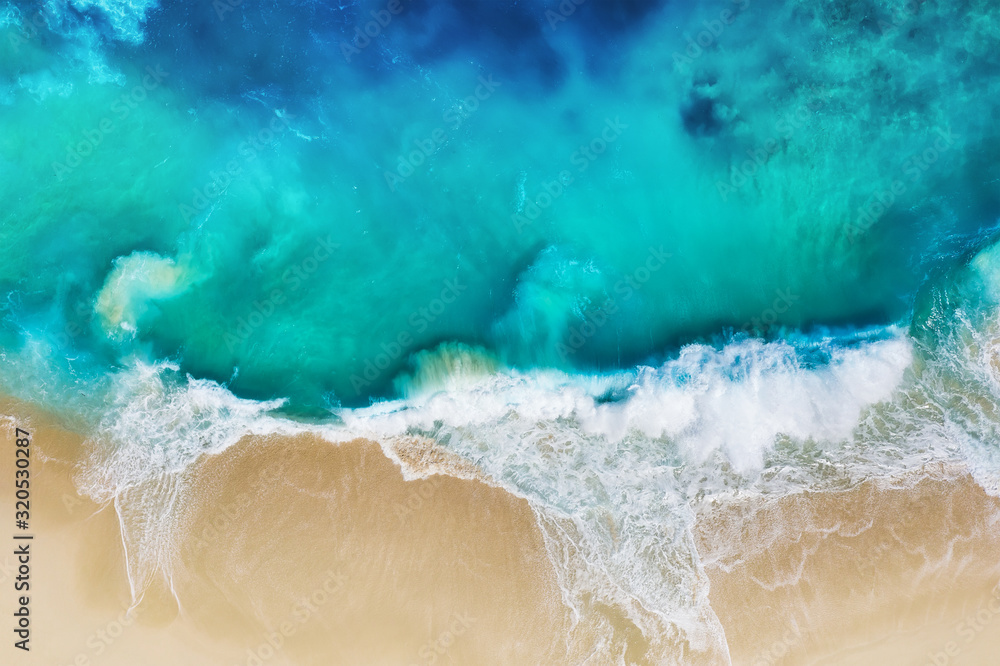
column 865, row 576
column 298, row 551
column 292, row 552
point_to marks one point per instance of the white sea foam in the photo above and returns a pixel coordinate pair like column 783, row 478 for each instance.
column 601, row 457
column 136, row 281
column 737, row 400
column 158, row 424
column 613, row 464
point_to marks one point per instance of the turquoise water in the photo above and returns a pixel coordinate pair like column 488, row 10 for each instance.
column 243, row 223
column 705, row 245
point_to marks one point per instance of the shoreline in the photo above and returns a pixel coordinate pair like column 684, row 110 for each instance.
column 295, row 550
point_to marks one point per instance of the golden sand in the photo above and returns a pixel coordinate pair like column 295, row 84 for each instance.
column 867, row 576
column 298, row 551
column 323, row 551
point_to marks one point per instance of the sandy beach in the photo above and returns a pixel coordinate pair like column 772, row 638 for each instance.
column 299, row 551
column 291, row 552
column 865, row 576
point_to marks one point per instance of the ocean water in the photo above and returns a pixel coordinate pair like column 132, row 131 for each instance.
column 620, row 256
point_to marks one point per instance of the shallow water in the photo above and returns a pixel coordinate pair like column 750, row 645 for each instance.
column 620, row 262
